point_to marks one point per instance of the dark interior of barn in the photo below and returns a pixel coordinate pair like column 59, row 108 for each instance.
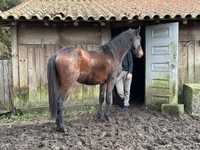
column 137, row 94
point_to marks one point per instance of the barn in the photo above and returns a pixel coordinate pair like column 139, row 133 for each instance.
column 170, row 38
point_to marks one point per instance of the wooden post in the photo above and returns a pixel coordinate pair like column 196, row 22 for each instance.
column 15, row 65
column 6, row 82
column 6, row 103
column 1, row 85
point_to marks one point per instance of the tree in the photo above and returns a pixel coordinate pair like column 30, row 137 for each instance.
column 7, row 4
column 5, row 34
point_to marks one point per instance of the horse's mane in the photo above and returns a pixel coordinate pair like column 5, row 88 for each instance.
column 123, row 40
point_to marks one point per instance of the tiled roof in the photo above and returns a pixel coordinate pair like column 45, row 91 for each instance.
column 102, row 9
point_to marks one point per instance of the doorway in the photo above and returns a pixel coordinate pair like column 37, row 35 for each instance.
column 137, row 93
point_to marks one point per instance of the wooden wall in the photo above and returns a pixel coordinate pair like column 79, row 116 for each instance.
column 32, row 49
column 189, row 54
column 33, row 45
column 6, row 103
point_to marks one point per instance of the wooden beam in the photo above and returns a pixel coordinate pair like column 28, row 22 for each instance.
column 15, row 65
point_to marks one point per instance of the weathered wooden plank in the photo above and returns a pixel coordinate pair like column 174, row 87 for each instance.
column 38, row 74
column 37, row 64
column 15, row 58
column 185, row 63
column 42, row 66
column 197, row 61
column 191, row 57
column 191, row 61
column 10, row 84
column 23, row 67
column 32, row 70
column 34, row 76
column 37, row 35
column 1, row 83
column 181, row 61
column 6, row 83
column 46, row 57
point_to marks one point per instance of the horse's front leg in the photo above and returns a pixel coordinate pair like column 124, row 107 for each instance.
column 109, row 98
column 101, row 100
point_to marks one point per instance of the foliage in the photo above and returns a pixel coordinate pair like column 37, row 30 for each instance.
column 7, row 4
column 71, row 113
column 5, row 34
column 26, row 116
column 5, row 43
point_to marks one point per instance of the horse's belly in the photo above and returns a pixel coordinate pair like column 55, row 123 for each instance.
column 92, row 79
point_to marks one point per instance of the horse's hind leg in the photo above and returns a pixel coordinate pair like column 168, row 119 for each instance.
column 102, row 93
column 68, row 76
column 59, row 116
column 66, row 90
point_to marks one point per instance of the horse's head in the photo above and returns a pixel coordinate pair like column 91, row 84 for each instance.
column 136, row 42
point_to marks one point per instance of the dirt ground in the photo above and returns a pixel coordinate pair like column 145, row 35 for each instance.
column 138, row 129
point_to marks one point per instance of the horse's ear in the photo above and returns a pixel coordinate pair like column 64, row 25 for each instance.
column 138, row 30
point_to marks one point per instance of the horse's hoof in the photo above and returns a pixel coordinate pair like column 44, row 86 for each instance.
column 99, row 116
column 59, row 129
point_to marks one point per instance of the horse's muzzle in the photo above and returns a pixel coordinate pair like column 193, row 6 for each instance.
column 140, row 53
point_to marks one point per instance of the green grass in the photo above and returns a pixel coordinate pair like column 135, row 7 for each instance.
column 71, row 113
column 27, row 99
column 24, row 98
column 27, row 116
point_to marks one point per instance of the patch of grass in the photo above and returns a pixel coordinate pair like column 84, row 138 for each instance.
column 74, row 113
column 26, row 98
column 26, row 116
column 71, row 113
column 79, row 108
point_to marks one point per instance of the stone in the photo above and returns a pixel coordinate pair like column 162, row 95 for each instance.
column 191, row 98
column 173, row 109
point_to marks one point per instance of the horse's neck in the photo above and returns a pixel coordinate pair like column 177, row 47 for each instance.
column 120, row 52
column 121, row 47
column 118, row 48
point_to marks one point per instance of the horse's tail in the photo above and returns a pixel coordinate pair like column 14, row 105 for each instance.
column 53, row 86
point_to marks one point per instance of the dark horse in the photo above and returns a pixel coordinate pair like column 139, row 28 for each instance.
column 68, row 66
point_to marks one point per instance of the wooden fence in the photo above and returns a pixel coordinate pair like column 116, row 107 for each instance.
column 6, row 103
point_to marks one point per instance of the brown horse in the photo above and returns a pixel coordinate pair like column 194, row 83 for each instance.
column 68, row 66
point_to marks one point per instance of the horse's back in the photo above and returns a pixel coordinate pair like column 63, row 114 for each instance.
column 89, row 67
column 95, row 67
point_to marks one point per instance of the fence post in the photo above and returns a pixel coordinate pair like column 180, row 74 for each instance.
column 6, row 103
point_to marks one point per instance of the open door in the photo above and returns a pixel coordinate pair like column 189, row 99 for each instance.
column 161, row 64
